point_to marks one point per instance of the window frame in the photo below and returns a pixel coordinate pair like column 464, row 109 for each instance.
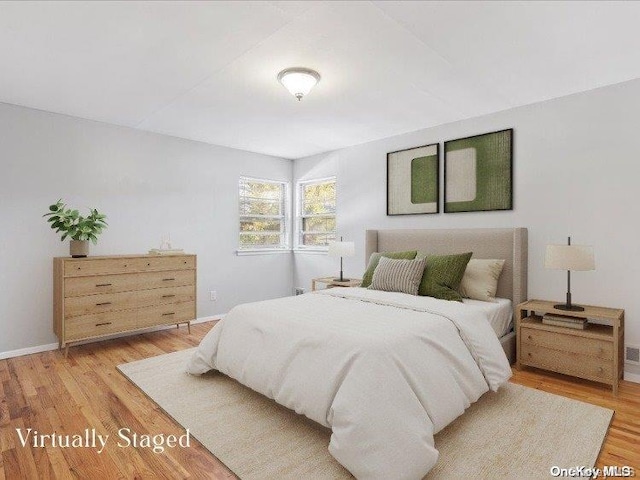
column 299, row 232
column 285, row 218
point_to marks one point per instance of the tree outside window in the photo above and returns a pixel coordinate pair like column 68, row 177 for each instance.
column 316, row 213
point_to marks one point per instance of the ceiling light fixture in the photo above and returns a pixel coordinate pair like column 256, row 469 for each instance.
column 299, row 81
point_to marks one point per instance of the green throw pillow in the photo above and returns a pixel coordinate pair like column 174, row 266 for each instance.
column 375, row 258
column 443, row 275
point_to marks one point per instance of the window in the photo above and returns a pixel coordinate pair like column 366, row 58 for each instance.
column 264, row 215
column 316, row 215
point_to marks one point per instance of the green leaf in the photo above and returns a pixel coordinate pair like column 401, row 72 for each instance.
column 71, row 224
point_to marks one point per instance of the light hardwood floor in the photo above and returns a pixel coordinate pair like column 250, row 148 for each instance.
column 50, row 393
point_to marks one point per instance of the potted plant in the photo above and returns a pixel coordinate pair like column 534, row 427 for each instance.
column 78, row 228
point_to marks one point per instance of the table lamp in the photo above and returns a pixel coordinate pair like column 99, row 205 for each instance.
column 570, row 258
column 341, row 249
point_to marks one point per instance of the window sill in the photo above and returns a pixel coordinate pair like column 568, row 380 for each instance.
column 263, row 251
column 311, row 251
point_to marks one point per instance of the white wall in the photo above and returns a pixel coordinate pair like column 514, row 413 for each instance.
column 576, row 171
column 148, row 185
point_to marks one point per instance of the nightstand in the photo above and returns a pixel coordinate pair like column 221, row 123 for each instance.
column 331, row 282
column 595, row 353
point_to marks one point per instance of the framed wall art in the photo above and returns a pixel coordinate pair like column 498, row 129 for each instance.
column 412, row 181
column 478, row 173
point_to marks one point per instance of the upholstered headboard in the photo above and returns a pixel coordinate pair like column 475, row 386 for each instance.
column 510, row 244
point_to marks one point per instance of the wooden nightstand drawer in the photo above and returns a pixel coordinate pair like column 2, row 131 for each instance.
column 583, row 366
column 568, row 343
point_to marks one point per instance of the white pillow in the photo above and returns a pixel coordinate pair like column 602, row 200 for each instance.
column 480, row 280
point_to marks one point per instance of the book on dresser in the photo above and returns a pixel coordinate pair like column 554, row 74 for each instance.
column 99, row 296
column 564, row 321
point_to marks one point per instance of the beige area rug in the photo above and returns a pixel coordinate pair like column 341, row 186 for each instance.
column 518, row 432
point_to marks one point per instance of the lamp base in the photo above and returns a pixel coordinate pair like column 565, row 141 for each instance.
column 341, row 279
column 569, row 308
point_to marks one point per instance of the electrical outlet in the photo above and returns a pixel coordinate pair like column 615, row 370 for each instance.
column 213, row 296
column 299, row 290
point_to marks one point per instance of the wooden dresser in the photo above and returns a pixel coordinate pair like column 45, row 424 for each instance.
column 595, row 353
column 98, row 296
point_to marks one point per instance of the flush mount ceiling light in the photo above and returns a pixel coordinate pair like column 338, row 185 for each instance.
column 299, row 81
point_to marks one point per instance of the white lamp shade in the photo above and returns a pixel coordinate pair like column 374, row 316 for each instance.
column 342, row 249
column 299, row 81
column 569, row 257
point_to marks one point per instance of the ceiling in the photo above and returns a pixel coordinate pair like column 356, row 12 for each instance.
column 207, row 70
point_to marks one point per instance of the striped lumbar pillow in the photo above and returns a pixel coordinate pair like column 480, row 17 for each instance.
column 375, row 258
column 398, row 275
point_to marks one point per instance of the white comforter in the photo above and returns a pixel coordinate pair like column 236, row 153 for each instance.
column 385, row 371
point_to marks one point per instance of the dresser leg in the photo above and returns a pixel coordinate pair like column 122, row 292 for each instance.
column 189, row 327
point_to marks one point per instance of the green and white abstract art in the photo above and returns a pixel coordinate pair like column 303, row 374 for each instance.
column 478, row 173
column 412, row 181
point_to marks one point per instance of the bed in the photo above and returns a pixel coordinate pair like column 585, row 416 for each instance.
column 385, row 371
column 510, row 244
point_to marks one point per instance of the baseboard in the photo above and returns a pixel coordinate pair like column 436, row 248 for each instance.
column 28, row 351
column 54, row 346
column 632, row 377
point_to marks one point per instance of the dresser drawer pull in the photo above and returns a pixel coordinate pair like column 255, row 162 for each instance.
column 103, row 324
column 102, row 304
column 103, row 284
column 169, row 296
column 168, row 314
column 168, row 279
column 529, row 353
column 529, row 337
column 600, row 369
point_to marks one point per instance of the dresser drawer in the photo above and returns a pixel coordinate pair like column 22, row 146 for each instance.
column 107, row 302
column 567, row 343
column 115, row 265
column 158, row 263
column 166, row 314
column 583, row 366
column 163, row 296
column 76, row 268
column 94, row 304
column 77, row 286
column 88, row 326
